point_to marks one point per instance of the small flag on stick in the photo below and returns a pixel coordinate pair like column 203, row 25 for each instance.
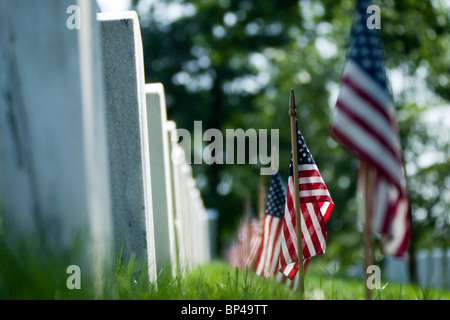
column 307, row 200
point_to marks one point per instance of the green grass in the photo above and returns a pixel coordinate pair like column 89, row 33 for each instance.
column 29, row 274
column 218, row 281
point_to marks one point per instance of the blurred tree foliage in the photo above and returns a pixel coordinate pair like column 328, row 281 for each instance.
column 231, row 64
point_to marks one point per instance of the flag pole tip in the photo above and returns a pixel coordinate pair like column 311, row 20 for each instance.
column 292, row 111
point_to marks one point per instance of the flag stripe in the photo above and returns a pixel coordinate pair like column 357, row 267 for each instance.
column 368, row 149
column 367, row 84
column 363, row 124
column 352, row 92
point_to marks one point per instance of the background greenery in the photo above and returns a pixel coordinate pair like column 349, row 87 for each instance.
column 231, row 64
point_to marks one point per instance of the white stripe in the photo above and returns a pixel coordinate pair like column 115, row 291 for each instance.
column 364, row 141
column 367, row 83
column 314, row 193
column 324, row 207
column 288, row 217
column 398, row 225
column 261, row 262
column 267, row 246
column 311, row 180
column 307, row 237
column 254, row 249
column 307, row 167
column 316, row 225
column 285, row 252
column 273, row 246
column 363, row 109
column 276, row 255
column 379, row 205
column 289, row 268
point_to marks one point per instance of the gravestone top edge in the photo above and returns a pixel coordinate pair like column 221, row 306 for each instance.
column 122, row 15
column 170, row 125
column 156, row 87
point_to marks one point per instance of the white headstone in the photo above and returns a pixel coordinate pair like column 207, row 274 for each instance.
column 182, row 220
column 437, row 268
column 447, row 269
column 174, row 164
column 53, row 161
column 126, row 119
column 423, row 268
column 396, row 269
column 188, row 184
column 163, row 217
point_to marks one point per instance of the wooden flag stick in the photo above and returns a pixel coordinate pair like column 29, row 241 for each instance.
column 292, row 115
column 261, row 197
column 366, row 207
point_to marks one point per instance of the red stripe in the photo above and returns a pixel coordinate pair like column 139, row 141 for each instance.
column 264, row 244
column 339, row 136
column 401, row 252
column 368, row 128
column 310, row 230
column 312, row 186
column 288, row 237
column 329, row 210
column 347, row 80
column 292, row 273
column 276, row 237
column 308, row 173
column 315, row 199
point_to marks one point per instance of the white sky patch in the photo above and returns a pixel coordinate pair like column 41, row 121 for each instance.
column 259, row 61
column 164, row 13
column 326, row 48
column 230, row 19
column 114, row 6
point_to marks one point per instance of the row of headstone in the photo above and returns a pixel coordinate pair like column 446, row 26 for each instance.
column 432, row 268
column 85, row 147
column 195, row 226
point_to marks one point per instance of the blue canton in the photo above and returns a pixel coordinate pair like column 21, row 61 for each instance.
column 276, row 197
column 304, row 156
column 365, row 45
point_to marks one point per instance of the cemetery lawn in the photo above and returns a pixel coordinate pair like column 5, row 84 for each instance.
column 25, row 275
column 218, row 281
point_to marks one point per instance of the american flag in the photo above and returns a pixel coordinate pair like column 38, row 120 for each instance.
column 364, row 123
column 267, row 261
column 316, row 207
column 243, row 252
column 255, row 238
